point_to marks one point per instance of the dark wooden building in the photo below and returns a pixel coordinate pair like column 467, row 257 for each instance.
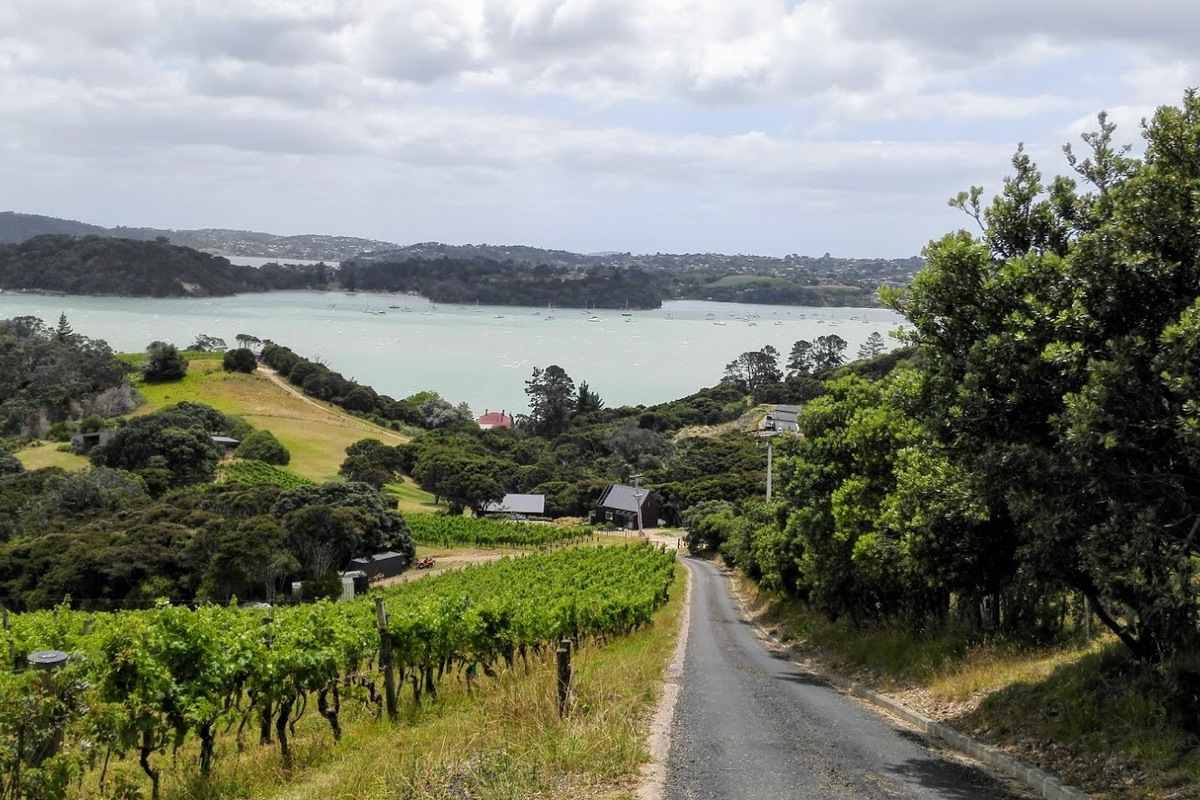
column 619, row 504
column 380, row 565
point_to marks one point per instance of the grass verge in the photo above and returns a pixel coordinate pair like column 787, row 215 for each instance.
column 1084, row 712
column 503, row 742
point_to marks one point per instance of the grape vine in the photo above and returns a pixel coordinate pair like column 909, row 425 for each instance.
column 141, row 682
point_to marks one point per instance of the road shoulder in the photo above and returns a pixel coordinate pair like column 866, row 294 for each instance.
column 654, row 773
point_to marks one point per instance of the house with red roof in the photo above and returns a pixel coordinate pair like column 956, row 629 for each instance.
column 495, row 419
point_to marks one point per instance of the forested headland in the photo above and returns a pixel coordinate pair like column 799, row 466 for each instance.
column 110, row 265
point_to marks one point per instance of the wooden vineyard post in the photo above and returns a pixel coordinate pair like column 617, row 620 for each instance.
column 564, row 675
column 385, row 659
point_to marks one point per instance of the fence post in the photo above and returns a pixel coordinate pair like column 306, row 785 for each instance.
column 385, row 659
column 564, row 675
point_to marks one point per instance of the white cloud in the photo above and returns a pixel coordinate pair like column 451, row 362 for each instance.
column 819, row 104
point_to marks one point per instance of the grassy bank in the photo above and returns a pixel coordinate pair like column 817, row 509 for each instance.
column 315, row 433
column 47, row 454
column 504, row 741
column 1085, row 712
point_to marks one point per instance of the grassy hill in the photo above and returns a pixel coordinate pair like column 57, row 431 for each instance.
column 317, row 434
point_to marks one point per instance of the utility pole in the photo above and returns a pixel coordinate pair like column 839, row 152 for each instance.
column 770, row 471
column 768, row 434
column 637, row 500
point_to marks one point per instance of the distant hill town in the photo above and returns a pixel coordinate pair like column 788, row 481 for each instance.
column 502, row 274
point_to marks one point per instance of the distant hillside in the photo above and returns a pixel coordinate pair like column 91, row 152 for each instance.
column 15, row 227
column 498, row 273
column 102, row 265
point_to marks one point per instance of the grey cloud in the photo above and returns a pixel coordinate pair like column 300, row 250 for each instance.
column 966, row 26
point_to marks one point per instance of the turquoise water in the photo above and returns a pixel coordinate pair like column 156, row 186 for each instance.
column 478, row 354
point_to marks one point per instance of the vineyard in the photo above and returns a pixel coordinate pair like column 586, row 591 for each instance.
column 143, row 683
column 257, row 473
column 443, row 531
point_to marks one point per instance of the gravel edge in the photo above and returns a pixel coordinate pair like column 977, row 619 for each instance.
column 654, row 773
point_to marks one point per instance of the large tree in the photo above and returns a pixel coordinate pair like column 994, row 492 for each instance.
column 754, row 369
column 828, row 352
column 873, row 346
column 1061, row 348
column 800, row 360
column 552, row 400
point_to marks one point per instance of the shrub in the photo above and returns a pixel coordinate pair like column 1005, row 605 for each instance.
column 10, row 464
column 164, row 363
column 240, row 360
column 263, row 446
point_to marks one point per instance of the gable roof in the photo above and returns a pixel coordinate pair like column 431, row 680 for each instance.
column 620, row 497
column 519, row 504
column 496, row 419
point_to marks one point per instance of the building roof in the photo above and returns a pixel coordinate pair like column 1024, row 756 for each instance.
column 225, row 440
column 781, row 418
column 388, row 556
column 495, row 419
column 620, row 497
column 519, row 504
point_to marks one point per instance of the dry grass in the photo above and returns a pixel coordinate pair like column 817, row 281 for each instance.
column 315, row 433
column 504, row 742
column 412, row 498
column 47, row 454
column 746, row 423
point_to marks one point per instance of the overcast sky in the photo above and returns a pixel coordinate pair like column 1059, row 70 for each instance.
column 770, row 126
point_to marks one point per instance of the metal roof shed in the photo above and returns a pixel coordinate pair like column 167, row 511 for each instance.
column 527, row 504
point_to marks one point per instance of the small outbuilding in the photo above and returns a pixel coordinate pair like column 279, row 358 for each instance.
column 620, row 504
column 380, row 565
column 83, row 443
column 519, row 505
column 226, row 443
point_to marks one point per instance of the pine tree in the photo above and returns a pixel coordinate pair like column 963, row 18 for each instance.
column 873, row 346
column 64, row 332
column 800, row 361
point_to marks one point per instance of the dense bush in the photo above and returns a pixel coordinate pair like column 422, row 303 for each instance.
column 48, row 375
column 10, row 464
column 262, row 445
column 1036, row 453
column 172, row 447
column 163, row 363
column 99, row 538
column 240, row 360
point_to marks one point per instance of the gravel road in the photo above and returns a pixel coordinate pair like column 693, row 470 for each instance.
column 751, row 724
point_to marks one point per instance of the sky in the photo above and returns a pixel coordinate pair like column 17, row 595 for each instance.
column 741, row 126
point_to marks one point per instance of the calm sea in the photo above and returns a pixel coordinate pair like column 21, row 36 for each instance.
column 480, row 354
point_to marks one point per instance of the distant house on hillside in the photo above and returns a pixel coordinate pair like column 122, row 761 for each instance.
column 495, row 419
column 781, row 419
column 619, row 504
column 519, row 505
column 226, row 443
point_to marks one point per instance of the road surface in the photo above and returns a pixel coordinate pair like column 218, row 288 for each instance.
column 751, row 724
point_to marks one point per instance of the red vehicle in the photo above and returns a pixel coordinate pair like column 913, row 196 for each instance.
column 424, row 563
